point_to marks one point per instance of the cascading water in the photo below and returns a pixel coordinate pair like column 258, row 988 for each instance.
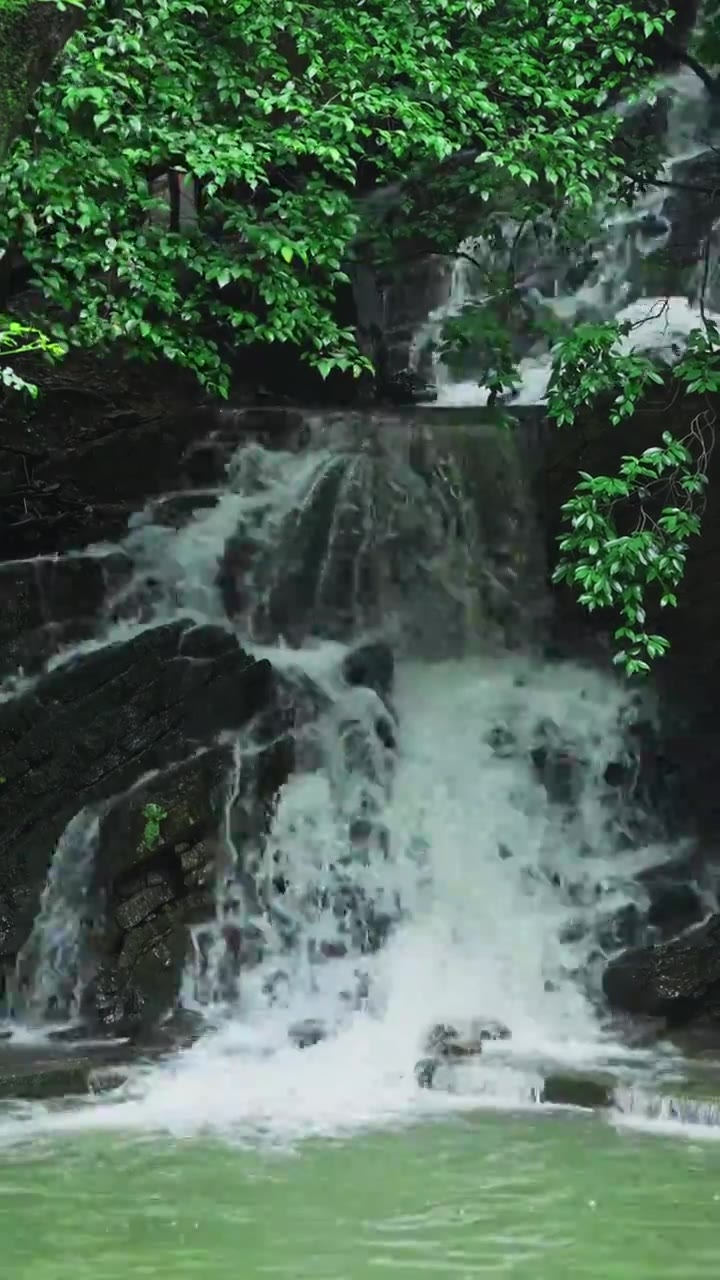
column 49, row 966
column 449, row 846
column 613, row 279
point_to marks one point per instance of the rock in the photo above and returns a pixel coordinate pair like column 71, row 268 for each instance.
column 425, row 1070
column 676, row 901
column 444, row 1041
column 93, row 727
column 274, row 427
column 133, row 990
column 32, row 1074
column 143, row 904
column 678, row 980
column 556, row 767
column 373, row 666
column 577, row 1091
column 181, row 1030
column 87, row 734
column 184, row 804
column 50, row 603
column 307, row 1033
column 51, row 1079
column 447, row 1044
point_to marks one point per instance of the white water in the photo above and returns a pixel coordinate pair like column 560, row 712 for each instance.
column 496, row 891
column 49, row 965
column 661, row 325
column 480, row 938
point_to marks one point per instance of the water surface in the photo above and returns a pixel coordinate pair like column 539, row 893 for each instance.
column 552, row 1197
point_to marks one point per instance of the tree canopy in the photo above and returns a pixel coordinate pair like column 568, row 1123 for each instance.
column 280, row 117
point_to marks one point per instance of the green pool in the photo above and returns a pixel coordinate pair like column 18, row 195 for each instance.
column 546, row 1197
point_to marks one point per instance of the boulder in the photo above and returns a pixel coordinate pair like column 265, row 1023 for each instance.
column 676, row 891
column 371, row 665
column 678, row 980
column 571, row 1090
column 447, row 1046
column 465, row 1040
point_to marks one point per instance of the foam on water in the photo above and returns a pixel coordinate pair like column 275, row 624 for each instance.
column 485, row 893
column 478, row 854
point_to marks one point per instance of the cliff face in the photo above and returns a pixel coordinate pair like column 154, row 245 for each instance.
column 32, row 34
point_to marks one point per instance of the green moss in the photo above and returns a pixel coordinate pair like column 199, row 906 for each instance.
column 154, row 816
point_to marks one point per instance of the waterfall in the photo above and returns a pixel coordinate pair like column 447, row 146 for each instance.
column 452, row 847
column 418, row 529
column 613, row 269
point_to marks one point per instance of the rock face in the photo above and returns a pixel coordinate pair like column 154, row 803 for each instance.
column 677, row 980
column 105, row 438
column 131, row 730
column 48, row 603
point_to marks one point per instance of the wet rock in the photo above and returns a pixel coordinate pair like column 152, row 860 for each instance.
column 133, row 991
column 555, row 765
column 182, row 1029
column 32, row 1075
column 625, row 928
column 425, row 1070
column 88, row 733
column 307, row 1033
column 446, row 1044
column 678, row 980
column 143, row 904
column 183, row 804
column 465, row 1040
column 373, row 666
column 577, row 1091
column 50, row 603
column 676, row 900
column 273, row 426
column 106, row 1079
column 93, row 727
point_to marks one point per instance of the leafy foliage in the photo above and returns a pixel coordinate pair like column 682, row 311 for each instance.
column 154, row 816
column 615, row 569
column 201, row 177
column 611, row 568
column 19, row 339
column 589, row 364
column 278, row 117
